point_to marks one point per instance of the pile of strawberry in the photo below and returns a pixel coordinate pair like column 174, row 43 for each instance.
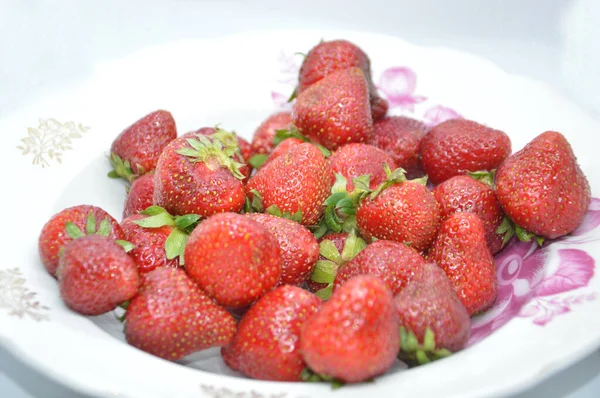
column 337, row 241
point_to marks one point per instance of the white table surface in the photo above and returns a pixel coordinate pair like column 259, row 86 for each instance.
column 44, row 44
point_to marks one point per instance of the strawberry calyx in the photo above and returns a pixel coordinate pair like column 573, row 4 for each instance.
column 216, row 149
column 340, row 206
column 487, row 177
column 396, row 176
column 122, row 169
column 91, row 227
column 182, row 227
column 309, row 376
column 256, row 161
column 283, row 134
column 326, row 270
column 255, row 205
column 507, row 229
column 415, row 353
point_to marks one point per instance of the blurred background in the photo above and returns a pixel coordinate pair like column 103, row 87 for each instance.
column 47, row 44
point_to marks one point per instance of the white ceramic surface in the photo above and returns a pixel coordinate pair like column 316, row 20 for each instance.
column 237, row 81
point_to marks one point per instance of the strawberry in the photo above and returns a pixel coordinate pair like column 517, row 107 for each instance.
column 171, row 317
column 266, row 345
column 457, row 146
column 465, row 193
column 353, row 336
column 335, row 250
column 262, row 140
column 400, row 210
column 140, row 195
column 72, row 223
column 234, row 259
column 243, row 145
column 95, row 275
column 460, row 250
column 299, row 247
column 261, row 160
column 159, row 239
column 400, row 137
column 297, row 182
column 542, row 188
column 199, row 174
column 395, row 263
column 136, row 150
column 328, row 57
column 355, row 160
column 335, row 110
column 434, row 323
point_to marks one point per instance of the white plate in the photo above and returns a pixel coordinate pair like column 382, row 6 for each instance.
column 547, row 313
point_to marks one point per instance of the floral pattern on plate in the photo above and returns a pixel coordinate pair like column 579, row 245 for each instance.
column 16, row 297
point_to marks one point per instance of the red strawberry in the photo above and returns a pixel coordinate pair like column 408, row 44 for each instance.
column 395, row 263
column 266, row 345
column 465, row 193
column 299, row 248
column 95, row 275
column 335, row 110
column 400, row 137
column 404, row 212
column 171, row 317
column 243, row 145
column 335, row 250
column 460, row 250
column 136, row 150
column 434, row 321
column 458, row 146
column 262, row 140
column 542, row 188
column 234, row 259
column 328, row 57
column 353, row 336
column 200, row 175
column 355, row 160
column 298, row 181
column 140, row 195
column 72, row 223
column 285, row 146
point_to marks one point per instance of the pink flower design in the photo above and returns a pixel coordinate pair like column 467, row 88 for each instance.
column 281, row 100
column 398, row 85
column 286, row 80
column 591, row 219
column 438, row 114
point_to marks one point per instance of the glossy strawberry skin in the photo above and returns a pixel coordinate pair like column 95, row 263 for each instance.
column 464, row 193
column 404, row 212
column 95, row 275
column 457, row 146
column 262, row 140
column 542, row 188
column 266, row 345
column 234, row 260
column 143, row 142
column 140, row 196
column 460, row 250
column 300, row 179
column 183, row 186
column 429, row 301
column 149, row 251
column 54, row 236
column 400, row 137
column 339, row 240
column 283, row 147
column 299, row 248
column 395, row 263
column 354, row 336
column 355, row 160
column 335, row 110
column 171, row 317
column 328, row 57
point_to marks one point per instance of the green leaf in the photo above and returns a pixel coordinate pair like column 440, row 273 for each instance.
column 487, row 177
column 346, row 204
column 421, row 357
column 332, row 220
column 283, row 134
column 90, row 224
column 175, row 244
column 326, row 152
column 333, row 199
column 256, row 204
column 522, row 234
column 274, row 211
column 320, row 230
column 328, row 250
column 104, row 228
column 157, row 221
column 442, row 353
column 127, row 246
column 429, row 340
column 297, row 216
column 350, row 224
column 182, row 222
column 506, row 229
column 189, row 152
column 339, row 186
column 336, row 383
column 113, row 174
column 352, row 246
column 121, row 168
column 362, row 185
column 153, row 210
column 256, row 161
column 325, row 293
column 324, row 272
column 73, row 230
column 293, row 96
